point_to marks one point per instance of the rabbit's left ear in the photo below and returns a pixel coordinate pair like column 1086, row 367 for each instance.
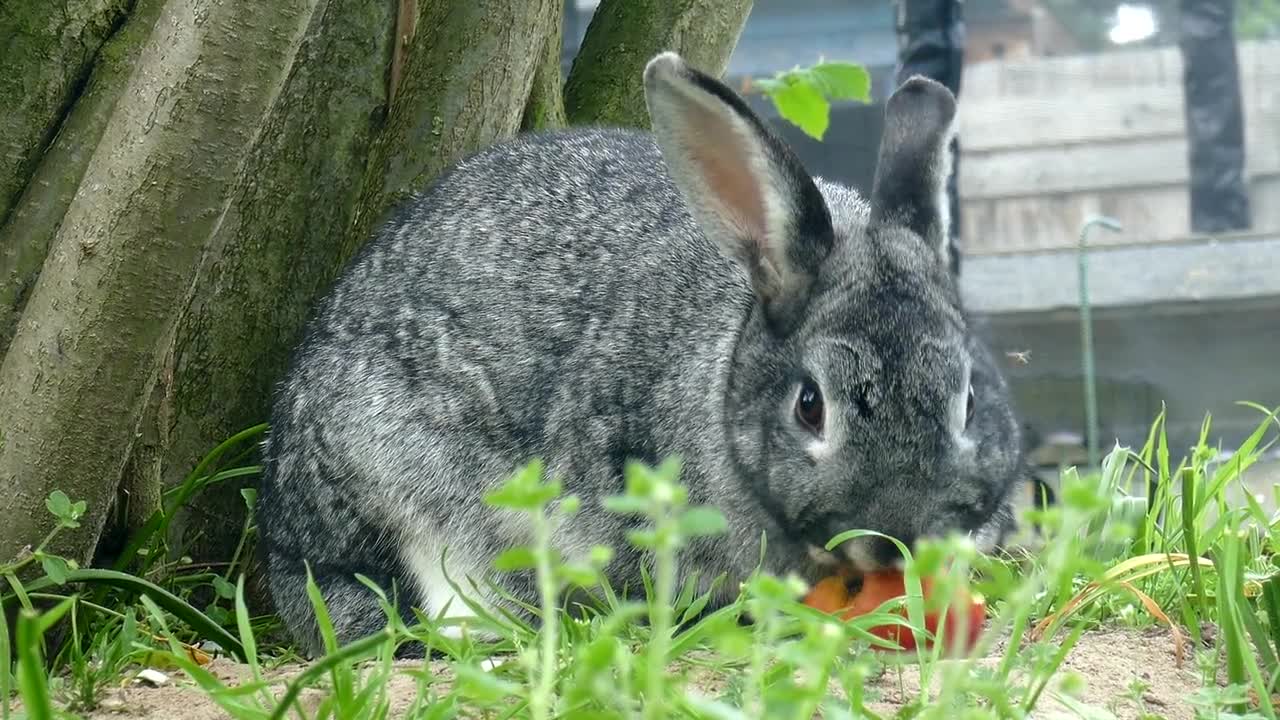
column 910, row 188
column 743, row 185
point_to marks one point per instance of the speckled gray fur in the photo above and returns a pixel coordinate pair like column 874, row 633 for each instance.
column 554, row 296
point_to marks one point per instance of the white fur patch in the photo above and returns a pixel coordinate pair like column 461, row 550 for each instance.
column 422, row 558
column 822, row 557
column 944, row 205
column 858, row 551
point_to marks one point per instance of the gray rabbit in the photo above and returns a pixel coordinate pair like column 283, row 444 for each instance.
column 594, row 296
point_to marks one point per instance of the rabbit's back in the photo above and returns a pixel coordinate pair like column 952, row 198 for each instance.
column 555, row 260
column 549, row 297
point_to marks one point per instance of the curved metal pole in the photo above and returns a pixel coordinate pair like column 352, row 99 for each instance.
column 1086, row 335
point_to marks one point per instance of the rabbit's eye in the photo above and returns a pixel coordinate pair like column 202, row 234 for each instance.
column 968, row 410
column 809, row 406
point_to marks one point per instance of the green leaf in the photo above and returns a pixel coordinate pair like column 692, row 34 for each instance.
column 639, row 479
column 32, row 683
column 669, row 469
column 802, row 104
column 643, row 538
column 582, row 575
column 225, row 590
column 601, row 654
column 601, row 555
column 731, row 640
column 55, row 567
column 842, row 81
column 250, row 496
column 700, row 603
column 479, row 685
column 625, row 505
column 772, row 588
column 217, row 614
column 571, row 505
column 59, row 504
column 701, row 521
column 524, row 490
column 516, row 558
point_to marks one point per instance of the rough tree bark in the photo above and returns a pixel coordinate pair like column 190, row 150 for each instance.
column 207, row 169
column 545, row 109
column 47, row 52
column 604, row 85
column 328, row 165
column 126, row 252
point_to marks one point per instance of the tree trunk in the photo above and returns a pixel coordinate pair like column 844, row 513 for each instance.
column 46, row 51
column 330, row 162
column 58, row 78
column 202, row 172
column 604, row 86
column 126, row 253
column 545, row 109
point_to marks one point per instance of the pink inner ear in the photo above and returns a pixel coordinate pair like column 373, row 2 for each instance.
column 724, row 161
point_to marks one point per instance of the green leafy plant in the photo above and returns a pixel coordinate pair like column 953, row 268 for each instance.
column 1177, row 549
column 803, row 95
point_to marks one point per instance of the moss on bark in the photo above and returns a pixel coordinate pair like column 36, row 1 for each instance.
column 545, row 109
column 46, row 51
column 604, row 86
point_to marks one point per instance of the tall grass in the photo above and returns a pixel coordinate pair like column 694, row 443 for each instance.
column 1140, row 540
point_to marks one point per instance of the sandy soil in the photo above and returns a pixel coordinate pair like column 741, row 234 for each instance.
column 1110, row 661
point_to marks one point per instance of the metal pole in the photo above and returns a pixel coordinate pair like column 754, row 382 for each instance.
column 1086, row 337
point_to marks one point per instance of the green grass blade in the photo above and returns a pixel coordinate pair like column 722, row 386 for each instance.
column 6, row 663
column 178, row 496
column 32, row 683
column 342, row 681
column 1236, row 646
column 138, row 539
column 350, row 653
column 226, row 698
column 1271, row 602
column 1261, row 640
column 1189, row 538
column 196, row 620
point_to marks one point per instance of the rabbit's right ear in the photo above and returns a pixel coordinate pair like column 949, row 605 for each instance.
column 743, row 185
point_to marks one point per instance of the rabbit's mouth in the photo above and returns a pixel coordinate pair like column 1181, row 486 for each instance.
column 874, row 553
column 852, row 558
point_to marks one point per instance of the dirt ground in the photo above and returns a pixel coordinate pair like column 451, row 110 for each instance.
column 1110, row 661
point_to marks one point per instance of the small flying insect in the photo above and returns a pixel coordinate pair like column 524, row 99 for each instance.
column 1022, row 357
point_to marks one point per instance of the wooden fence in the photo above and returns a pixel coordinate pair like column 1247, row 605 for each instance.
column 1048, row 141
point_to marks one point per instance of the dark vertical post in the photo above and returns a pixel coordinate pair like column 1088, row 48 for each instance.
column 1214, row 116
column 931, row 37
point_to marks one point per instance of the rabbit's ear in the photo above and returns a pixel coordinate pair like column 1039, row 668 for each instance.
column 910, row 187
column 743, row 185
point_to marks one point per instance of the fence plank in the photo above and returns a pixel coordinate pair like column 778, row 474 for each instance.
column 1103, row 115
column 1053, row 221
column 1149, row 163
